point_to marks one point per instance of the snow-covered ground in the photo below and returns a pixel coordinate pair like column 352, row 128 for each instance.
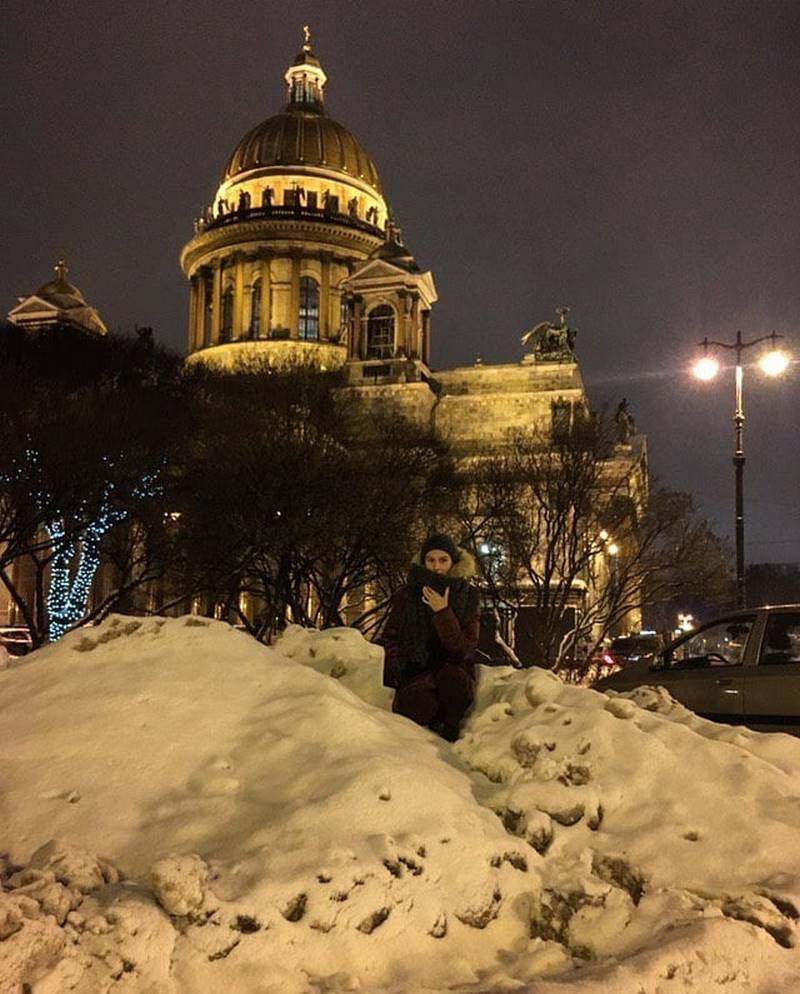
column 185, row 810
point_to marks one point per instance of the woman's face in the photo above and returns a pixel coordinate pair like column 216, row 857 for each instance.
column 438, row 561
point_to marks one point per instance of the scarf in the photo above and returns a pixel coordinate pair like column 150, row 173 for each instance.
column 420, row 649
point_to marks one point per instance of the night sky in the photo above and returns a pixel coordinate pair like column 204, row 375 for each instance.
column 635, row 161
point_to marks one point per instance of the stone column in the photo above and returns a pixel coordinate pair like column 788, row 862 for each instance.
column 216, row 302
column 193, row 341
column 335, row 312
column 403, row 337
column 426, row 337
column 266, row 296
column 357, row 337
column 238, row 298
column 201, row 309
column 415, row 344
column 294, row 307
column 325, row 298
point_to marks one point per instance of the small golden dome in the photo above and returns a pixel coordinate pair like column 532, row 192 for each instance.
column 60, row 291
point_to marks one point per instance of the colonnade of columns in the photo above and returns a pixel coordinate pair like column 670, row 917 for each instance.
column 279, row 303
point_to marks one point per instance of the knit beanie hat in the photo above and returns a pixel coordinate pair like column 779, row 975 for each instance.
column 442, row 542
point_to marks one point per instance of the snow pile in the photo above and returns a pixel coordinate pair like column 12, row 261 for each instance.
column 295, row 834
column 342, row 653
column 656, row 826
column 268, row 826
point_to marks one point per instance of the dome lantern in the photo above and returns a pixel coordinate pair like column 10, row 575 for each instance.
column 306, row 79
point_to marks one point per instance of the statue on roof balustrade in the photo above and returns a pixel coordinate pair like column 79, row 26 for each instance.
column 548, row 342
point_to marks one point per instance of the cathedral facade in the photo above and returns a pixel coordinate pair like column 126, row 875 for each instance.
column 297, row 259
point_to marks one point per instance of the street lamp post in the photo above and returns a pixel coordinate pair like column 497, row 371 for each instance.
column 773, row 363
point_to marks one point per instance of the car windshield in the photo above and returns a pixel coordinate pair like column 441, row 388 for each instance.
column 719, row 644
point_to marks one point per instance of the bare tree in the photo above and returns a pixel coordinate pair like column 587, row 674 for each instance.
column 306, row 511
column 567, row 523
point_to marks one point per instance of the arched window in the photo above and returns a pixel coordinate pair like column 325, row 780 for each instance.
column 309, row 308
column 255, row 310
column 226, row 325
column 380, row 333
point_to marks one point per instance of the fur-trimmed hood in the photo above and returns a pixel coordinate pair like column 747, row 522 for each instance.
column 465, row 569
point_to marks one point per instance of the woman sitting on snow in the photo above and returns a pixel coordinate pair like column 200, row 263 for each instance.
column 431, row 636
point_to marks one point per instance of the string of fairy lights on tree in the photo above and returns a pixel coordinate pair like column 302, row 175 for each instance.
column 75, row 562
column 75, row 551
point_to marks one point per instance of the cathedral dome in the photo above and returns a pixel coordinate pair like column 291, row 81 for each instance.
column 298, row 207
column 303, row 136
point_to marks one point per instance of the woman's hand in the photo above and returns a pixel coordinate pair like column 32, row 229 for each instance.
column 434, row 600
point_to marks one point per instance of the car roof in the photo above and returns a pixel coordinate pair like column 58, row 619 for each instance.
column 744, row 611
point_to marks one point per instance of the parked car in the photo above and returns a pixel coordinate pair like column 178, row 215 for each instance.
column 16, row 640
column 742, row 667
column 642, row 648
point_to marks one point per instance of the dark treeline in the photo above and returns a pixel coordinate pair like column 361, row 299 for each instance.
column 258, row 493
column 130, row 481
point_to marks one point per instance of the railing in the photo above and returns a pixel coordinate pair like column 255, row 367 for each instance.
column 274, row 335
column 289, row 212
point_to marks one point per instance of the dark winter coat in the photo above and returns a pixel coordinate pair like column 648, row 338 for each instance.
column 416, row 640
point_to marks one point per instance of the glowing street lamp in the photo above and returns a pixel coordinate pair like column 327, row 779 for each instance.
column 773, row 363
column 706, row 368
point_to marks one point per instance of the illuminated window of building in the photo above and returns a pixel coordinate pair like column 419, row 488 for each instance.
column 226, row 325
column 309, row 308
column 380, row 333
column 344, row 314
column 492, row 557
column 255, row 310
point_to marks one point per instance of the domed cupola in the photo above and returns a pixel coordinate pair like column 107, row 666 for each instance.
column 306, row 78
column 299, row 207
column 303, row 134
column 57, row 302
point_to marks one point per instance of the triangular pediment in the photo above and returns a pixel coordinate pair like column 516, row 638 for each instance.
column 377, row 269
column 378, row 274
column 33, row 305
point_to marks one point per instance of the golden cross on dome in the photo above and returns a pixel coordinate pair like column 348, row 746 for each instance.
column 60, row 269
column 306, row 38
